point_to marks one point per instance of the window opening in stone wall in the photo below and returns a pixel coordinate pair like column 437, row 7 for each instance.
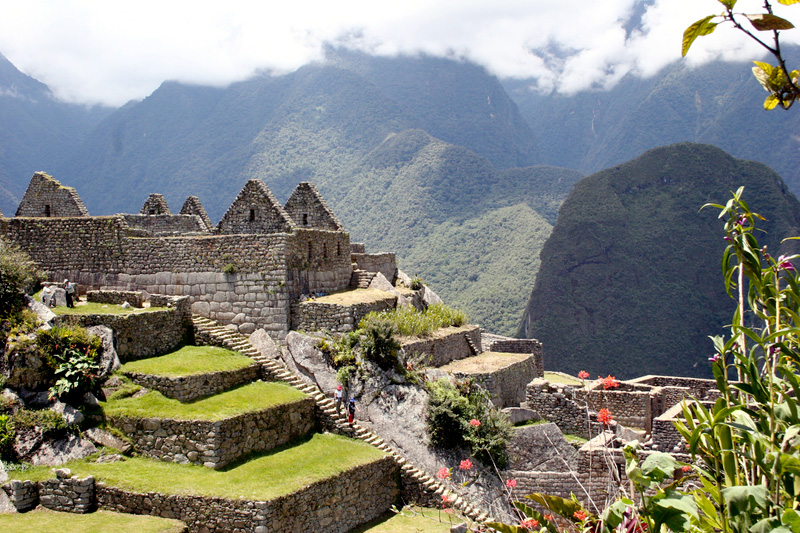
column 324, row 250
column 338, row 249
column 47, row 210
column 310, row 251
column 305, row 219
column 252, row 215
column 151, row 211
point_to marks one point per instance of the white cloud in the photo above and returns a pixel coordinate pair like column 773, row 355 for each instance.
column 94, row 51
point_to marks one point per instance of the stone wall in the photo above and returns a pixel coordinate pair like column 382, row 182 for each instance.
column 309, row 210
column 701, row 389
column 155, row 205
column 142, row 334
column 506, row 385
column 664, row 435
column 46, row 197
column 190, row 388
column 312, row 315
column 135, row 298
column 384, row 262
column 24, row 495
column 496, row 343
column 629, row 408
column 445, row 345
column 67, row 493
column 255, row 210
column 216, row 444
column 166, row 224
column 556, row 403
column 247, row 280
column 334, row 505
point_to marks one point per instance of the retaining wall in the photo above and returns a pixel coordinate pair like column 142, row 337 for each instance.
column 507, row 385
column 67, row 493
column 556, row 403
column 215, row 444
column 142, row 334
column 190, row 388
column 445, row 345
column 495, row 343
column 135, row 298
column 384, row 262
column 312, row 315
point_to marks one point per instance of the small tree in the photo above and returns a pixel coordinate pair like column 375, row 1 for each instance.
column 777, row 80
column 18, row 274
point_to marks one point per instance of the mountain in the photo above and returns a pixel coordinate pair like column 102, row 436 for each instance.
column 36, row 131
column 718, row 103
column 630, row 281
column 470, row 231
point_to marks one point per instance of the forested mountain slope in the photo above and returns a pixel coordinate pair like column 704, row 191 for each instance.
column 630, row 279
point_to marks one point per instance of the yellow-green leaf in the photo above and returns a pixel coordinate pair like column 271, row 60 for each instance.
column 788, row 2
column 762, row 73
column 730, row 3
column 703, row 26
column 769, row 22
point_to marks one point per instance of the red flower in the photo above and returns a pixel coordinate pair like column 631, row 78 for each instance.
column 609, row 382
column 580, row 515
column 529, row 523
column 443, row 473
column 686, row 468
column 583, row 374
column 475, row 423
column 446, row 499
column 604, row 416
column 511, row 483
column 548, row 517
column 466, row 464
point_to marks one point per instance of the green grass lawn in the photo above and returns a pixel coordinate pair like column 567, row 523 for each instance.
column 92, row 308
column 262, row 477
column 560, row 377
column 190, row 361
column 251, row 397
column 412, row 519
column 42, row 520
column 357, row 296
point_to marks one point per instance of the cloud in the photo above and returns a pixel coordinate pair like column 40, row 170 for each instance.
column 110, row 52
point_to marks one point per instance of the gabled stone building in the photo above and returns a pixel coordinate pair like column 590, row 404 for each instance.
column 247, row 271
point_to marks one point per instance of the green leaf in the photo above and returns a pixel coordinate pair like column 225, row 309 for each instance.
column 769, row 22
column 703, row 26
column 673, row 509
column 506, row 528
column 771, row 102
column 791, row 519
column 745, row 499
column 562, row 506
column 660, row 465
column 788, row 2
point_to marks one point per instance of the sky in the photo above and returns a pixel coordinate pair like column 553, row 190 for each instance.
column 110, row 52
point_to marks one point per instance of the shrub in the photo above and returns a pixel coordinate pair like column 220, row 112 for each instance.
column 230, row 268
column 6, row 438
column 378, row 341
column 73, row 355
column 412, row 323
column 462, row 416
column 345, row 374
column 416, row 283
column 18, row 274
column 52, row 423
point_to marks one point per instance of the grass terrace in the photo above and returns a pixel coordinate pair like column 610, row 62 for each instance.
column 94, row 308
column 41, row 519
column 255, row 396
column 412, row 519
column 260, row 477
column 560, row 377
column 190, row 361
column 357, row 296
column 485, row 362
column 413, row 323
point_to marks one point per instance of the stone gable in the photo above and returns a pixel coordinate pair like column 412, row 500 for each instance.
column 255, row 210
column 308, row 209
column 46, row 197
column 192, row 206
column 155, row 205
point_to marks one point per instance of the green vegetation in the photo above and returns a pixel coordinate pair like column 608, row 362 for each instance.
column 409, row 322
column 462, row 416
column 251, row 397
column 189, row 361
column 560, row 377
column 74, row 357
column 620, row 246
column 260, row 477
column 18, row 275
column 94, row 308
column 41, row 519
column 412, row 519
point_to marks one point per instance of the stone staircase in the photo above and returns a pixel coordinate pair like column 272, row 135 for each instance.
column 209, row 331
column 474, row 350
column 361, row 279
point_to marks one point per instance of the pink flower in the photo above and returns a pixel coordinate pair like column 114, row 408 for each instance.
column 686, row 468
column 443, row 473
column 583, row 374
column 580, row 515
column 449, row 510
column 714, row 358
column 511, row 483
column 529, row 523
column 475, row 423
column 446, row 499
column 604, row 416
column 609, row 382
column 784, row 264
column 466, row 464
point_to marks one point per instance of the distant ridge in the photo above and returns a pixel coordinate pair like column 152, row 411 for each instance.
column 630, row 279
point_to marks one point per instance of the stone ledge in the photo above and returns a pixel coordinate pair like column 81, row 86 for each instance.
column 190, row 388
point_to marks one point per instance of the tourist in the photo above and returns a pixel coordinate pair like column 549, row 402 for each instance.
column 48, row 295
column 69, row 290
column 351, row 410
column 338, row 397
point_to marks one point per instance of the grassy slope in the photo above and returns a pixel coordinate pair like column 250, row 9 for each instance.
column 251, row 397
column 41, row 519
column 189, row 361
column 261, row 477
column 630, row 282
